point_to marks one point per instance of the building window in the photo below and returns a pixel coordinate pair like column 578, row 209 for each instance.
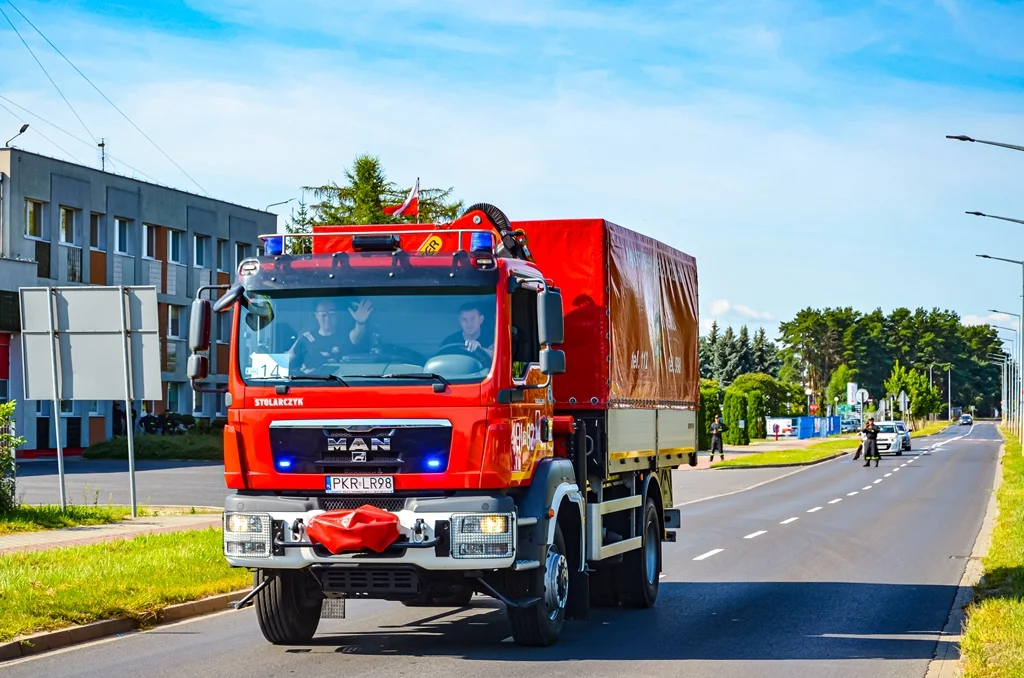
column 175, row 326
column 224, row 327
column 97, row 236
column 150, row 241
column 174, row 252
column 94, row 408
column 222, row 410
column 172, row 398
column 33, row 219
column 241, row 253
column 67, row 408
column 4, row 397
column 223, row 256
column 41, row 408
column 201, row 255
column 122, row 235
column 259, row 251
column 67, row 225
column 172, row 357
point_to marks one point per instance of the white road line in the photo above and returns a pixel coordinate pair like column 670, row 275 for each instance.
column 868, row 487
column 787, row 521
column 835, row 501
column 895, row 470
column 878, row 481
column 905, row 463
column 887, row 475
column 756, row 534
column 708, row 554
column 816, row 508
column 850, row 494
column 911, row 461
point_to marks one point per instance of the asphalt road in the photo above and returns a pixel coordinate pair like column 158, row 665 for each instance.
column 761, row 583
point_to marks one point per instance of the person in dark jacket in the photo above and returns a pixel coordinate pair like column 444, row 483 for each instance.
column 716, row 430
column 871, row 442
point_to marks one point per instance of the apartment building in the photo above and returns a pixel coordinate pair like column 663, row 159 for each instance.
column 67, row 224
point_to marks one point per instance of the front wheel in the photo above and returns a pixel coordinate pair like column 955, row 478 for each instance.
column 288, row 609
column 540, row 625
column 640, row 571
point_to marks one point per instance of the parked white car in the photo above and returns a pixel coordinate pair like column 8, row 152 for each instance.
column 889, row 438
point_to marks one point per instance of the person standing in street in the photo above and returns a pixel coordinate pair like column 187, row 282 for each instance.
column 871, row 443
column 716, row 429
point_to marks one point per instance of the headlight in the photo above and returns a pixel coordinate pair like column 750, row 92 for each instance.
column 483, row 535
column 247, row 534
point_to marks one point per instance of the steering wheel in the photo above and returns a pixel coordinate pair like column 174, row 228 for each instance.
column 460, row 348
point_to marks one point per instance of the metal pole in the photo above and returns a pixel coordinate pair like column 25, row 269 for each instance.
column 128, row 396
column 949, row 390
column 56, row 397
column 1020, row 356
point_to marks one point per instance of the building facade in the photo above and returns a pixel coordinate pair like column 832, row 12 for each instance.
column 65, row 224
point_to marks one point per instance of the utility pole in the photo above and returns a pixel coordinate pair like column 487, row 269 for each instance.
column 103, row 154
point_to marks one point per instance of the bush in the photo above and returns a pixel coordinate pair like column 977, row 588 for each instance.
column 8, row 444
column 710, row 405
column 734, row 411
column 209, row 447
column 756, row 411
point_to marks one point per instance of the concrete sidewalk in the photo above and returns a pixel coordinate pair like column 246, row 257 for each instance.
column 94, row 534
column 756, row 447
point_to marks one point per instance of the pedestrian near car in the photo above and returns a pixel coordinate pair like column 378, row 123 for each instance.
column 860, row 447
column 871, row 443
column 716, row 430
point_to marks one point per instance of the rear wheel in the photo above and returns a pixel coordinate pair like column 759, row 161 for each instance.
column 540, row 625
column 640, row 571
column 288, row 609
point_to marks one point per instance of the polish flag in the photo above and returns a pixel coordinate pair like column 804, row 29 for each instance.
column 410, row 206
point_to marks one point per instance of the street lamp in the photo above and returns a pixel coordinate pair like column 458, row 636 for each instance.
column 283, row 202
column 992, row 216
column 808, row 392
column 1013, row 382
column 20, row 132
column 964, row 137
column 1020, row 349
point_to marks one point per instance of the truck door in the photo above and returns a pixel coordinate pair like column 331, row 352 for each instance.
column 530, row 415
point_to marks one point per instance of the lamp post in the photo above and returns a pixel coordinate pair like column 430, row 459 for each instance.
column 1019, row 409
column 808, row 392
column 20, row 132
column 283, row 202
column 1000, row 359
column 964, row 137
column 1014, row 382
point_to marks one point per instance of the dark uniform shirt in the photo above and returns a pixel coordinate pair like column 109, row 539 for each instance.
column 314, row 349
column 486, row 339
column 716, row 430
column 871, row 433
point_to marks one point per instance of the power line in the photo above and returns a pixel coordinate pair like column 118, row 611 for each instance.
column 41, row 134
column 123, row 114
column 18, row 33
column 78, row 139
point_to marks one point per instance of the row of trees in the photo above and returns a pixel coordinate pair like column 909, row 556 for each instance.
column 724, row 356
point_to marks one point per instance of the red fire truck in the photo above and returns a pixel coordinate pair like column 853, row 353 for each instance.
column 423, row 412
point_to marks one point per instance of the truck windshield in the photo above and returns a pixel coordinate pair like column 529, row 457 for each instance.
column 386, row 337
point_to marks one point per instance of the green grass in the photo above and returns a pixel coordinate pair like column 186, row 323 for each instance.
column 814, row 452
column 133, row 578
column 188, row 447
column 50, row 517
column 993, row 643
column 929, row 429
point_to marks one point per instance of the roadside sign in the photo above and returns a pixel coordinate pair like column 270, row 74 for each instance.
column 862, row 395
column 903, row 401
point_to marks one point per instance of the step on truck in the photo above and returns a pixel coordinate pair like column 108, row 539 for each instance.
column 419, row 413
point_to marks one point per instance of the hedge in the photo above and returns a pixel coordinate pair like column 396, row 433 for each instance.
column 757, row 412
column 735, row 411
column 710, row 405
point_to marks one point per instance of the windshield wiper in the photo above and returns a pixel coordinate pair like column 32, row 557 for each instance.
column 432, row 376
column 316, row 377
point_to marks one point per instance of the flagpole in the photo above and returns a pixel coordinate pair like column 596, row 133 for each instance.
column 417, row 200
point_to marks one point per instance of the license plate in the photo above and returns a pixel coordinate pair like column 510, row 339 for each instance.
column 360, row 484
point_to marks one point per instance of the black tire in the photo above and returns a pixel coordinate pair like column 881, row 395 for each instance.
column 288, row 609
column 899, row 453
column 540, row 625
column 640, row 571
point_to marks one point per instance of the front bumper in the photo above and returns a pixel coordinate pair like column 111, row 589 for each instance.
column 432, row 528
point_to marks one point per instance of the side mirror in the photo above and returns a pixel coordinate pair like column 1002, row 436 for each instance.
column 259, row 314
column 198, row 367
column 552, row 361
column 199, row 325
column 235, row 293
column 550, row 322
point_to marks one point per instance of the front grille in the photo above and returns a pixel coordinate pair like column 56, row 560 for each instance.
column 348, row 503
column 369, row 582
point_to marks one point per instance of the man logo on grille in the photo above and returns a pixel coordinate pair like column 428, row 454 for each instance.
column 363, row 445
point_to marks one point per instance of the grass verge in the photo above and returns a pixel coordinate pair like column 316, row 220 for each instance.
column 135, row 578
column 50, row 517
column 930, row 429
column 993, row 643
column 796, row 457
column 188, row 447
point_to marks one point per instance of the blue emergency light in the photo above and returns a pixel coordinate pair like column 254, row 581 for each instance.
column 481, row 242
column 274, row 245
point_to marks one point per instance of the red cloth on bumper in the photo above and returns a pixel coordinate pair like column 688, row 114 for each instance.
column 366, row 527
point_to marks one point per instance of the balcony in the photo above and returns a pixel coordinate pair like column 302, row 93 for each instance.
column 71, row 263
column 124, row 270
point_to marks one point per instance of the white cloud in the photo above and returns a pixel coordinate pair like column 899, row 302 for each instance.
column 1000, row 319
column 725, row 308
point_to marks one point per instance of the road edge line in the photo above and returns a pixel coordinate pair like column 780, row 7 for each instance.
column 45, row 641
column 946, row 661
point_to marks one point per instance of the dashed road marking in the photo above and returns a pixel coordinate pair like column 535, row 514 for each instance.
column 708, row 554
column 816, row 508
column 756, row 534
column 895, row 470
column 850, row 494
column 878, row 481
column 868, row 487
column 835, row 501
column 887, row 475
column 787, row 521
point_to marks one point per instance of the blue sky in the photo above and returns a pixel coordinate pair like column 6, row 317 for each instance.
column 795, row 148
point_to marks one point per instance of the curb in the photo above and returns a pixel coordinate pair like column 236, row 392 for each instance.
column 45, row 641
column 802, row 463
column 946, row 661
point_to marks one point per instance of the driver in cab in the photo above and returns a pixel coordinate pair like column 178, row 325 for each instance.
column 473, row 336
column 328, row 343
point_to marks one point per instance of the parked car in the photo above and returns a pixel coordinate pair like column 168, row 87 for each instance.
column 966, row 420
column 849, row 425
column 889, row 439
column 901, row 426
